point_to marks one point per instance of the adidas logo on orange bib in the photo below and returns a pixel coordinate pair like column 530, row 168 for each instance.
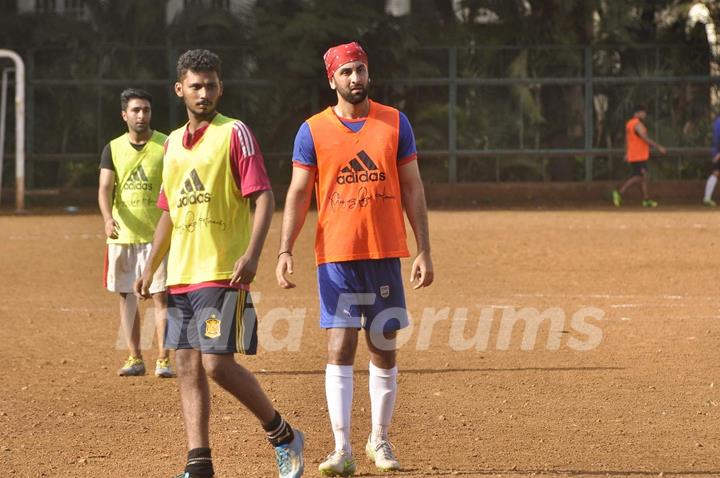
column 138, row 181
column 193, row 191
column 361, row 169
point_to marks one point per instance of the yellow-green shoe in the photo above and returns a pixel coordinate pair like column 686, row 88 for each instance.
column 616, row 198
column 162, row 368
column 133, row 367
column 381, row 453
column 649, row 203
column 709, row 203
column 338, row 463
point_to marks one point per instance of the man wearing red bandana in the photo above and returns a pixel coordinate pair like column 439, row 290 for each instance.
column 360, row 158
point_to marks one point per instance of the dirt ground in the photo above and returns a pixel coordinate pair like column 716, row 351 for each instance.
column 622, row 379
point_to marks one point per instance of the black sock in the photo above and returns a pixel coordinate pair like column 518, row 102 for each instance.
column 278, row 431
column 199, row 463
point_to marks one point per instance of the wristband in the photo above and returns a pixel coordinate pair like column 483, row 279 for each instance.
column 284, row 252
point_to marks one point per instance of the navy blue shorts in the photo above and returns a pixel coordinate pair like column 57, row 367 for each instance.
column 213, row 320
column 365, row 294
column 639, row 168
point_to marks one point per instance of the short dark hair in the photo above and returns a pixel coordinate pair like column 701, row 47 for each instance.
column 132, row 93
column 198, row 60
column 639, row 107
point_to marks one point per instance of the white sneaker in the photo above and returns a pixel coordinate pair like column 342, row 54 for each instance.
column 338, row 463
column 381, row 452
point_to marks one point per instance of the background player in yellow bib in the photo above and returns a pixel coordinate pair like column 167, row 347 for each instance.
column 360, row 158
column 213, row 169
column 130, row 179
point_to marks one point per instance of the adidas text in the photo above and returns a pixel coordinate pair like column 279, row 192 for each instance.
column 363, row 177
column 137, row 186
column 197, row 198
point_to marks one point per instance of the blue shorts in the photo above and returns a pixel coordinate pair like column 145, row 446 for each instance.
column 365, row 294
column 213, row 320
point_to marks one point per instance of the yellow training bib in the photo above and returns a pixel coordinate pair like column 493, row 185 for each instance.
column 211, row 219
column 138, row 176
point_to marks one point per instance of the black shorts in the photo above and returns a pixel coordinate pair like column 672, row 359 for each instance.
column 213, row 320
column 714, row 166
column 639, row 168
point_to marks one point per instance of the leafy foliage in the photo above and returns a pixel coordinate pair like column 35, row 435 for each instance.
column 272, row 56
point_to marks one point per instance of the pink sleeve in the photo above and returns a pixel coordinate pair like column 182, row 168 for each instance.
column 246, row 160
column 162, row 201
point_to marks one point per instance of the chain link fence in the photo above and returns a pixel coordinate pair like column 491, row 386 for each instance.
column 540, row 113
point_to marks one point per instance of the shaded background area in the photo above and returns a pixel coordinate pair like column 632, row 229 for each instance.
column 497, row 91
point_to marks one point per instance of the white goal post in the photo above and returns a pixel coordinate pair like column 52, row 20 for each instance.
column 19, row 127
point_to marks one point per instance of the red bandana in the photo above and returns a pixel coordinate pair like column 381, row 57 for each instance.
column 337, row 56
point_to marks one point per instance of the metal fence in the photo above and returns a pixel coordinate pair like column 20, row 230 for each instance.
column 539, row 113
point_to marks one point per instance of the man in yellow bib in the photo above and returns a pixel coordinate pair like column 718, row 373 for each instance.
column 213, row 169
column 130, row 179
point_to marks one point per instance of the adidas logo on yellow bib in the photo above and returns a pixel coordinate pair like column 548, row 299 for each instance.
column 138, row 181
column 193, row 191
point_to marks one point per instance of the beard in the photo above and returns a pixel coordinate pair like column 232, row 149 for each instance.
column 353, row 98
column 205, row 114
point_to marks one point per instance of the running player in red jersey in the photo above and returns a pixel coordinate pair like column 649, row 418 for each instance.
column 360, row 157
column 637, row 153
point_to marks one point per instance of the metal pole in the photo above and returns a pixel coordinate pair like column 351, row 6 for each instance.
column 521, row 123
column 589, row 123
column 452, row 116
column 99, row 137
column 171, row 59
column 30, row 116
column 656, row 109
column 19, row 127
column 3, row 111
column 656, row 106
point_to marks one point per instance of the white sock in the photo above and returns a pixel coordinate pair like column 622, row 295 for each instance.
column 710, row 187
column 383, row 390
column 339, row 395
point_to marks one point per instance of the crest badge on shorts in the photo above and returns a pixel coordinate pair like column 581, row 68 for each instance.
column 212, row 327
column 384, row 291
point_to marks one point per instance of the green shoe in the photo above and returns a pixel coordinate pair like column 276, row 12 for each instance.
column 616, row 198
column 709, row 203
column 649, row 203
